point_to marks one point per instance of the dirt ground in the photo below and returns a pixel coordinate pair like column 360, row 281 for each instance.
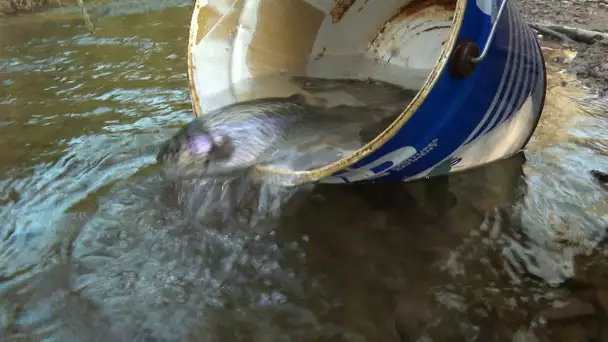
column 591, row 63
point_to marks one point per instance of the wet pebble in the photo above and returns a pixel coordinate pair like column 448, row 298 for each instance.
column 559, row 59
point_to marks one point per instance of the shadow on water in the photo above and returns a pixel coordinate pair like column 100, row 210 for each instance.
column 94, row 246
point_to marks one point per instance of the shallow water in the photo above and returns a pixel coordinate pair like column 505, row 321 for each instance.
column 93, row 246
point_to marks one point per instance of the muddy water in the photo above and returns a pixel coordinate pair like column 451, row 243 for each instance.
column 93, row 246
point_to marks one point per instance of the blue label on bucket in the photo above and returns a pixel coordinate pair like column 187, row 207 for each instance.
column 459, row 112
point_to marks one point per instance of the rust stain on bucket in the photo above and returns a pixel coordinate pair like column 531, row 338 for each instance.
column 340, row 8
column 430, row 9
column 416, row 6
column 276, row 39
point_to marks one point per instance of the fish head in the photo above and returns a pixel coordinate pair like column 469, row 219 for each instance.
column 189, row 152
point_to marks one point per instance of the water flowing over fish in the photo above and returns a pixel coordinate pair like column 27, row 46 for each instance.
column 290, row 132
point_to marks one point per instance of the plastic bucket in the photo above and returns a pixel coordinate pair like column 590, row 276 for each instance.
column 478, row 69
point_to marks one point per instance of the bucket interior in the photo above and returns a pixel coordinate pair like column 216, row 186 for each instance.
column 251, row 47
column 394, row 41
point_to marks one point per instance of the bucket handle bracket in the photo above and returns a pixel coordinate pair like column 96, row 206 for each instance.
column 466, row 52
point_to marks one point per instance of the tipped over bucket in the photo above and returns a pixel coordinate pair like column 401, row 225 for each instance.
column 476, row 65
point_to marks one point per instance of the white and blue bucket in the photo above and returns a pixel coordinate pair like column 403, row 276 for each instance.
column 477, row 66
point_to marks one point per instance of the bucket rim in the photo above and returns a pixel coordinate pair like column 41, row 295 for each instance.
column 287, row 177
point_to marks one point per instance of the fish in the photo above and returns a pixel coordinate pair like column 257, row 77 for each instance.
column 292, row 131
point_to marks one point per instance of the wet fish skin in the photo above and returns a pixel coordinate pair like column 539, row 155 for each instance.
column 250, row 132
column 231, row 139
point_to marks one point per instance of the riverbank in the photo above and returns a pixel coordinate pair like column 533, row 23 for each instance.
column 591, row 63
column 8, row 7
